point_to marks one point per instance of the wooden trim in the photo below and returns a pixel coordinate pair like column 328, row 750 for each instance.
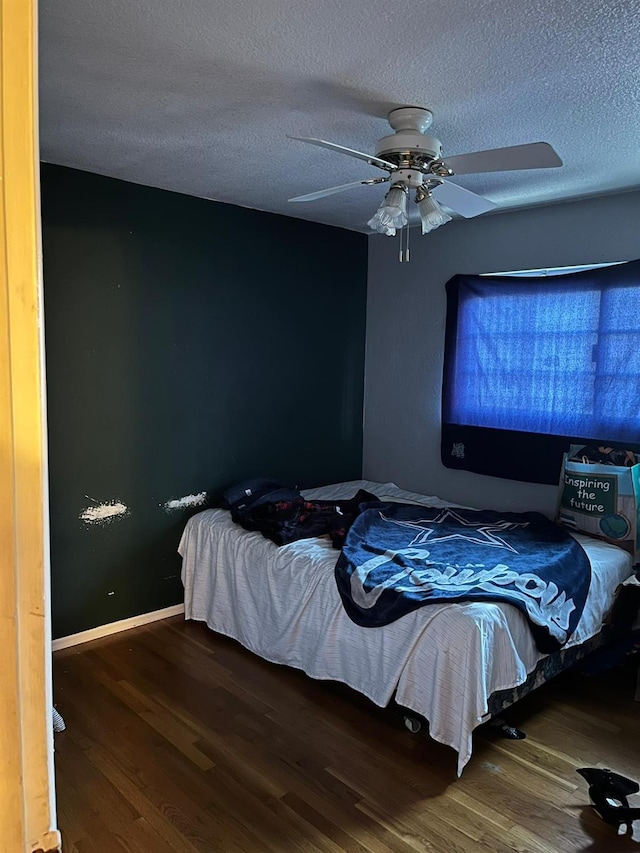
column 49, row 843
column 27, row 812
column 115, row 627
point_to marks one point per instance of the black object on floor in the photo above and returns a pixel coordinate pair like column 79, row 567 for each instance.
column 608, row 792
column 510, row 732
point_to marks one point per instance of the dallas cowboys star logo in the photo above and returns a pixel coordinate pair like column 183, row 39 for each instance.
column 485, row 532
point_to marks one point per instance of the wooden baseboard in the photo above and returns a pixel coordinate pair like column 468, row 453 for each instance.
column 115, row 627
column 50, row 842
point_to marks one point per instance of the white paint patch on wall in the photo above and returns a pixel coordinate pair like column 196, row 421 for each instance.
column 103, row 513
column 186, row 501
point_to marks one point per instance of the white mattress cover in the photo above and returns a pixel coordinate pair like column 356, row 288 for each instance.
column 444, row 660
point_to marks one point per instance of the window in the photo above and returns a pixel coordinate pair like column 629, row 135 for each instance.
column 548, row 271
column 556, row 356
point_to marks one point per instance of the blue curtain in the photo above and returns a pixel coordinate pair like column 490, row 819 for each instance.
column 555, row 355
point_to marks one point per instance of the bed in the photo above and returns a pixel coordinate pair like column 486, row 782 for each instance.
column 445, row 662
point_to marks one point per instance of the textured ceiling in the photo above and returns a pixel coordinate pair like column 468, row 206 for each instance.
column 198, row 96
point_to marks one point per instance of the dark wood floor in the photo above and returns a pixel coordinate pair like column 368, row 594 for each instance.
column 180, row 740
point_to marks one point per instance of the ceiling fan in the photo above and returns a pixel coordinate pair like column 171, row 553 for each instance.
column 414, row 161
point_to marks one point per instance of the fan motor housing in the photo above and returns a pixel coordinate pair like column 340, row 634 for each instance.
column 409, row 144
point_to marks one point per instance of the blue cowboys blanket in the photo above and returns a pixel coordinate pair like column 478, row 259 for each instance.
column 398, row 557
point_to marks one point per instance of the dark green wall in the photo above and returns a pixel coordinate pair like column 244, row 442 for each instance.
column 189, row 344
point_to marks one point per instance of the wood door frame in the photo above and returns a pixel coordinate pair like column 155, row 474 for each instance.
column 27, row 799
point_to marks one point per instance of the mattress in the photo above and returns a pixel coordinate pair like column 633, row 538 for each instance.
column 442, row 661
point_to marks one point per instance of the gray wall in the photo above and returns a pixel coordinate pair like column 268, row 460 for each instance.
column 406, row 323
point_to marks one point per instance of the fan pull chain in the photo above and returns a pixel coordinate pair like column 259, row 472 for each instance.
column 403, row 253
column 406, row 232
column 404, row 250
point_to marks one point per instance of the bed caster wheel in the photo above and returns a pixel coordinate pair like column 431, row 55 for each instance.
column 414, row 725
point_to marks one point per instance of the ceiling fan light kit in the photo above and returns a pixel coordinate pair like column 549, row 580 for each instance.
column 392, row 213
column 414, row 161
column 432, row 216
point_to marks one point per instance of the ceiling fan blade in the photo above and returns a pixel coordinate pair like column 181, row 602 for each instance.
column 463, row 201
column 359, row 155
column 533, row 155
column 339, row 189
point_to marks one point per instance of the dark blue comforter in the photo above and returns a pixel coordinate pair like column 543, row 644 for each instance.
column 398, row 557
